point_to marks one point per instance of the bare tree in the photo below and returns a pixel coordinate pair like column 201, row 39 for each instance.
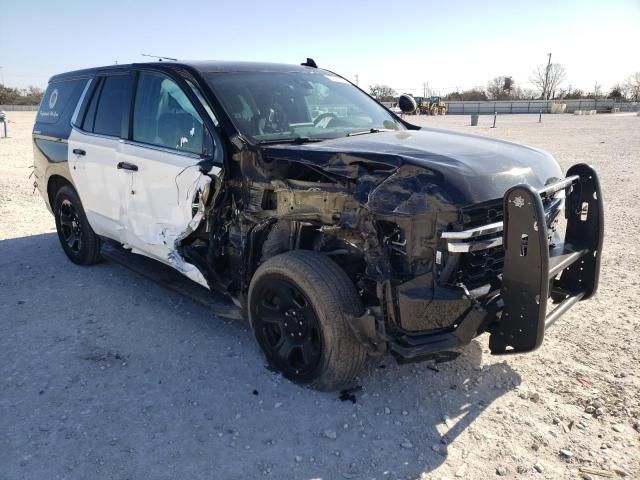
column 547, row 78
column 632, row 87
column 383, row 93
column 597, row 90
column 523, row 94
column 501, row 88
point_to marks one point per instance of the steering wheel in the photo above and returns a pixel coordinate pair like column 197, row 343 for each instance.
column 323, row 119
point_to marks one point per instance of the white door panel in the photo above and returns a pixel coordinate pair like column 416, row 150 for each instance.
column 163, row 204
column 160, row 205
column 99, row 183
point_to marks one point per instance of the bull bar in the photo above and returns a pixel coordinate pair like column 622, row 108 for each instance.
column 534, row 270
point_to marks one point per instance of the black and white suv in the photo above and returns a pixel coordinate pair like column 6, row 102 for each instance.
column 342, row 230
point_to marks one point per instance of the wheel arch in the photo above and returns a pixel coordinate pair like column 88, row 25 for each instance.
column 55, row 183
column 284, row 235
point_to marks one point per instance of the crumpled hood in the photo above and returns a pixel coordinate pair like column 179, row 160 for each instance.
column 471, row 168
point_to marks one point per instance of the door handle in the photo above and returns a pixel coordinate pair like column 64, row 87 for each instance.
column 127, row 166
column 79, row 151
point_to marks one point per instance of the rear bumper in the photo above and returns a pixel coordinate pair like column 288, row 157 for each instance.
column 516, row 315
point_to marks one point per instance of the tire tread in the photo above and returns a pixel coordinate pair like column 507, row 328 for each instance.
column 92, row 244
column 326, row 283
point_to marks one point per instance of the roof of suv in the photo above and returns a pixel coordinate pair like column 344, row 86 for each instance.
column 210, row 66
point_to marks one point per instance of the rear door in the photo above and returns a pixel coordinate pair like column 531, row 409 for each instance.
column 94, row 147
column 167, row 141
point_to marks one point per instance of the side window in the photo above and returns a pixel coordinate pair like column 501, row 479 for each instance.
column 90, row 115
column 108, row 114
column 164, row 116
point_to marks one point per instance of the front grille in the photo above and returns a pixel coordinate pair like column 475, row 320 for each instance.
column 481, row 214
column 470, row 234
column 474, row 243
column 480, row 267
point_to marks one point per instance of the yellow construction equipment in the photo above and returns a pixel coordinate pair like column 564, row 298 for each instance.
column 430, row 106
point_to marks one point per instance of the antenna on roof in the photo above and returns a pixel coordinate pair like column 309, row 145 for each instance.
column 310, row 63
column 159, row 58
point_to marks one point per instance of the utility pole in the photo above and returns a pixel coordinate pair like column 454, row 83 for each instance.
column 357, row 78
column 546, row 79
column 1, row 75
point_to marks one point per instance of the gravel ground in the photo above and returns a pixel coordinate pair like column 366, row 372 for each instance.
column 104, row 374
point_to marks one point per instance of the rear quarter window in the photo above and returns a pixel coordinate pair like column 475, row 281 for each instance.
column 58, row 99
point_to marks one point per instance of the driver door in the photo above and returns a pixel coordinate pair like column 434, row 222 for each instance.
column 168, row 140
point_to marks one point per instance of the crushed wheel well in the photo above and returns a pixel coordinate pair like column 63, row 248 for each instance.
column 284, row 236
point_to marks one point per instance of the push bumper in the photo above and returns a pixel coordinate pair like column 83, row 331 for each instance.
column 534, row 271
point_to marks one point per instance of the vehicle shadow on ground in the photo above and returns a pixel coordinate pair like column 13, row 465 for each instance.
column 435, row 404
column 171, row 388
column 440, row 400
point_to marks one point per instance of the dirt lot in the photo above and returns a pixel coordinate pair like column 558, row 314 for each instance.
column 104, row 374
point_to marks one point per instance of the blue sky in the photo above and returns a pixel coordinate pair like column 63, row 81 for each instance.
column 406, row 44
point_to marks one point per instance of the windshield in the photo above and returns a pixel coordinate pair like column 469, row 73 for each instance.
column 273, row 106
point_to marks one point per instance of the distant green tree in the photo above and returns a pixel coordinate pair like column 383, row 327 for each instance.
column 26, row 96
column 7, row 95
column 473, row 95
column 617, row 92
column 575, row 94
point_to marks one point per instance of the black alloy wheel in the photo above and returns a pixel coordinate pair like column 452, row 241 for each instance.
column 76, row 236
column 301, row 305
column 289, row 329
column 70, row 225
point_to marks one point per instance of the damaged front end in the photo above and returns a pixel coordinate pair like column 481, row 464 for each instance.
column 509, row 267
column 432, row 272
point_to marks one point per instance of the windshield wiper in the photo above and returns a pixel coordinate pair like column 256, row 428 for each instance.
column 295, row 140
column 371, row 130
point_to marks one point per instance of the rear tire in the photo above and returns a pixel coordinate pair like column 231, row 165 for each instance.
column 300, row 303
column 78, row 240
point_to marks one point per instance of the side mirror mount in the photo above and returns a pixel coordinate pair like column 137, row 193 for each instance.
column 407, row 103
column 208, row 152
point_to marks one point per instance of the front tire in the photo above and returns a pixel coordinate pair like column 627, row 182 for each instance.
column 300, row 303
column 78, row 240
